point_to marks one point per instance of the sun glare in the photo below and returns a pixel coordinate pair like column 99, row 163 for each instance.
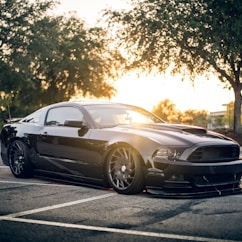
column 148, row 91
column 90, row 10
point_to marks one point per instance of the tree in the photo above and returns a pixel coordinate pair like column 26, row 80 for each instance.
column 195, row 117
column 16, row 20
column 166, row 110
column 188, row 37
column 229, row 117
column 48, row 59
column 70, row 59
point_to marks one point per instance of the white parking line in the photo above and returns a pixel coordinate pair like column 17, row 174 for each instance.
column 38, row 210
column 15, row 217
column 113, row 230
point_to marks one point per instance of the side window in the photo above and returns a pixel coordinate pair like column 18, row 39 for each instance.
column 57, row 116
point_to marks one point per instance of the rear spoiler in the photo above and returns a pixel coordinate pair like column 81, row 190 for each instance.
column 11, row 120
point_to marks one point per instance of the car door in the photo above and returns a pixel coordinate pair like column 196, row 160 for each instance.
column 63, row 149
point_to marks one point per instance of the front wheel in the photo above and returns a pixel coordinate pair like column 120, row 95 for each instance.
column 18, row 157
column 124, row 171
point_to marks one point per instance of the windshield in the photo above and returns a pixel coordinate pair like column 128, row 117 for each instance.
column 112, row 115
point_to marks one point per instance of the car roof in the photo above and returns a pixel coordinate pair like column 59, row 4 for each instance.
column 87, row 103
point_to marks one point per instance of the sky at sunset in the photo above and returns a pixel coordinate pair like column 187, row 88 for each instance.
column 148, row 91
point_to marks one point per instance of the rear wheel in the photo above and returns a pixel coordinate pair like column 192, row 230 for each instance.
column 124, row 170
column 19, row 159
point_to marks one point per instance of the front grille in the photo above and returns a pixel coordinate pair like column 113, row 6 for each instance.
column 215, row 154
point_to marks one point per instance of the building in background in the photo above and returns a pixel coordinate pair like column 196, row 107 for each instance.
column 217, row 120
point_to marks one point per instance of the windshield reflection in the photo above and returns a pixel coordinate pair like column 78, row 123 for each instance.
column 113, row 115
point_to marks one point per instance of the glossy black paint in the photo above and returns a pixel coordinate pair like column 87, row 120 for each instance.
column 78, row 146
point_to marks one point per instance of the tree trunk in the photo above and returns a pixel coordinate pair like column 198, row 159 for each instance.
column 237, row 112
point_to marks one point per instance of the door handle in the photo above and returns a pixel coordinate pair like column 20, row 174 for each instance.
column 44, row 135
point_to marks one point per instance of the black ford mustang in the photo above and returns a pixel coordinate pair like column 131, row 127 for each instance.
column 123, row 147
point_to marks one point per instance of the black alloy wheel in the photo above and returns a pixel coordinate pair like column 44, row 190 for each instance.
column 19, row 159
column 124, row 171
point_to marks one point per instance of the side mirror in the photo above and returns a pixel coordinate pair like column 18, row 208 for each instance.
column 74, row 123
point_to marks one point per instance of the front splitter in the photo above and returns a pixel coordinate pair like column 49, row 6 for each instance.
column 214, row 192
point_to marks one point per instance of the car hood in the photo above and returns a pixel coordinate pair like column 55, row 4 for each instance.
column 175, row 134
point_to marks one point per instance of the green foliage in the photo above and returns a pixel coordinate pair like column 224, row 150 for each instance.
column 188, row 37
column 17, row 18
column 46, row 59
column 195, row 117
column 69, row 59
column 168, row 112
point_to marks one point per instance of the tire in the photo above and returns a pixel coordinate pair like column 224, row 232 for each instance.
column 124, row 171
column 19, row 161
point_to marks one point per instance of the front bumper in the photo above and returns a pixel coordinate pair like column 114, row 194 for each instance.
column 187, row 179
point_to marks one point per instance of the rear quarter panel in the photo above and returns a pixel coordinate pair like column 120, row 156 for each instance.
column 11, row 132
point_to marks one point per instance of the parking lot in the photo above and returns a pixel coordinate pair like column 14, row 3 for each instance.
column 41, row 210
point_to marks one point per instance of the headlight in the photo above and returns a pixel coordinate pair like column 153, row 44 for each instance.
column 171, row 154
